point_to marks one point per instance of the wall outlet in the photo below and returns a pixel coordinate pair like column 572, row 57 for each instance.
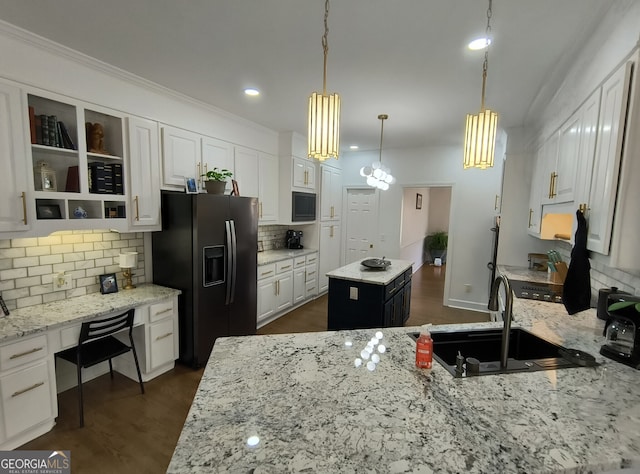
column 353, row 293
column 467, row 288
column 61, row 281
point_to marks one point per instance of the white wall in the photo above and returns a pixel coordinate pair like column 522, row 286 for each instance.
column 439, row 209
column 472, row 211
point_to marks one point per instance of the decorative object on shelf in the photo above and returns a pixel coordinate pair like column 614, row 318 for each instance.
column 234, row 191
column 324, row 112
column 108, row 283
column 48, row 211
column 437, row 244
column 45, row 177
column 481, row 128
column 216, row 180
column 378, row 176
column 128, row 260
column 190, row 185
column 95, row 138
column 418, row 201
column 79, row 213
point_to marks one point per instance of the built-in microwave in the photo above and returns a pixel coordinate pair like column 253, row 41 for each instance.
column 303, row 207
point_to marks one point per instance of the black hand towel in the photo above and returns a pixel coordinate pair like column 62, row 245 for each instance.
column 576, row 293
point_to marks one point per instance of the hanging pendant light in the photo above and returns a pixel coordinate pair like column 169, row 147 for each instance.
column 481, row 128
column 378, row 176
column 324, row 112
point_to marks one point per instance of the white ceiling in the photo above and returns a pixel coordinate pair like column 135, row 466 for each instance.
column 405, row 58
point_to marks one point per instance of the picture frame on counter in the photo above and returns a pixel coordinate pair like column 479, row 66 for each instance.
column 108, row 283
column 190, row 185
column 234, row 188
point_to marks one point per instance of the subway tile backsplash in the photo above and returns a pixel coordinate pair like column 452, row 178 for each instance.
column 272, row 236
column 27, row 266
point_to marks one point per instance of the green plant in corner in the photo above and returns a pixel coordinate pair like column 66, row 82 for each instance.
column 437, row 241
column 217, row 174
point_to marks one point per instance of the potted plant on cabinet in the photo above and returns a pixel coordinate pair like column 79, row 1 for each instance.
column 216, row 180
column 437, row 245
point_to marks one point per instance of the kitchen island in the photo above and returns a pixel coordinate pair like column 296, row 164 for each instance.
column 297, row 402
column 362, row 297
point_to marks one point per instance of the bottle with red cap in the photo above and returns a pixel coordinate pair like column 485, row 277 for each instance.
column 424, row 349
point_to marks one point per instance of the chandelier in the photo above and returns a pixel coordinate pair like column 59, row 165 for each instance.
column 324, row 112
column 378, row 176
column 481, row 128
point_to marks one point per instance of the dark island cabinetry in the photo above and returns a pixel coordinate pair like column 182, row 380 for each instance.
column 361, row 298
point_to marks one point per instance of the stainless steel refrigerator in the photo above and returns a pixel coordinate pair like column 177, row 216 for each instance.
column 208, row 249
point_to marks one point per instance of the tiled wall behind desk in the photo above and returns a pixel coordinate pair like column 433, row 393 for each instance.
column 27, row 266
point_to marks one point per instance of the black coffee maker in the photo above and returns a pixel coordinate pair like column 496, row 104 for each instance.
column 293, row 239
column 622, row 330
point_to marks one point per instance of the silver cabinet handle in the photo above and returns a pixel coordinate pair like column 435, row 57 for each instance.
column 164, row 336
column 266, row 273
column 24, row 207
column 21, row 354
column 25, row 390
column 168, row 310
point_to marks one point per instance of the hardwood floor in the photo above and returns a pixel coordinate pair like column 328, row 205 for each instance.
column 129, row 432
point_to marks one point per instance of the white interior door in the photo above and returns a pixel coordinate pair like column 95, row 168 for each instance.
column 361, row 224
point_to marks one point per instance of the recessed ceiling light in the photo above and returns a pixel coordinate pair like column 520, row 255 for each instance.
column 353, row 147
column 479, row 43
column 251, row 91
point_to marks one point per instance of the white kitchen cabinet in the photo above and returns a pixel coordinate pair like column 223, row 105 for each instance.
column 535, row 195
column 330, row 193
column 275, row 289
column 257, row 176
column 606, row 165
column 14, row 191
column 28, row 402
column 588, row 133
column 329, row 252
column 268, row 187
column 216, row 154
column 181, row 156
column 144, row 174
column 163, row 338
column 304, row 174
column 549, row 166
column 299, row 279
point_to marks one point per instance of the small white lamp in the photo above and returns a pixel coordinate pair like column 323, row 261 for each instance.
column 128, row 260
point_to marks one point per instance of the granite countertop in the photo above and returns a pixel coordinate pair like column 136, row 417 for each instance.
column 525, row 273
column 314, row 411
column 270, row 256
column 38, row 318
column 357, row 272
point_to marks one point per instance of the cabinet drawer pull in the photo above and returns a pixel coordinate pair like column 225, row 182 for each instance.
column 168, row 310
column 266, row 273
column 285, row 267
column 25, row 390
column 311, row 273
column 35, row 349
column 137, row 210
column 392, row 290
column 164, row 336
column 24, row 207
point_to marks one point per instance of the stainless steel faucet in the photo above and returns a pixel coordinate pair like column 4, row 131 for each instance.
column 506, row 315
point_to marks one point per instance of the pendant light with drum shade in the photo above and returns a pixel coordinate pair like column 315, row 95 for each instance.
column 481, row 128
column 378, row 176
column 324, row 112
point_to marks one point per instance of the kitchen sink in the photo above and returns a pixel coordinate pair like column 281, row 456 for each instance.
column 527, row 352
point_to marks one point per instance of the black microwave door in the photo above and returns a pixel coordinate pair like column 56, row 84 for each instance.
column 303, row 207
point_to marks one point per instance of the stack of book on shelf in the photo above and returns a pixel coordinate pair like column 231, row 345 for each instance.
column 105, row 178
column 48, row 130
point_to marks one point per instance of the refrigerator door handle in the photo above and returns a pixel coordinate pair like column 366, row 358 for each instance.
column 227, row 225
column 234, row 258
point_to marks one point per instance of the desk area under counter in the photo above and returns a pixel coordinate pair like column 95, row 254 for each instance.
column 30, row 377
column 361, row 297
